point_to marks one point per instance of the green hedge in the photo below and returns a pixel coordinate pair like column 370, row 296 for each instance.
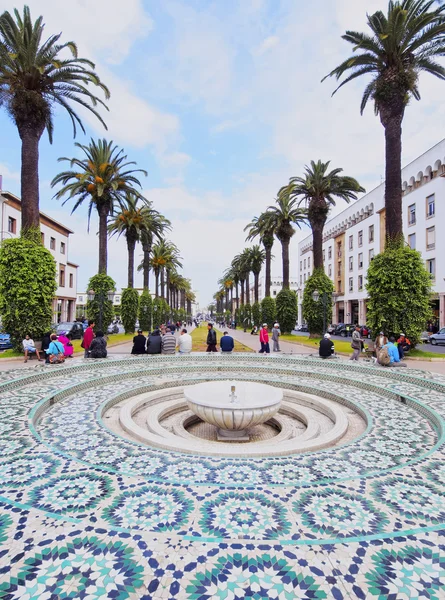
column 268, row 311
column 313, row 311
column 145, row 310
column 130, row 309
column 287, row 310
column 101, row 284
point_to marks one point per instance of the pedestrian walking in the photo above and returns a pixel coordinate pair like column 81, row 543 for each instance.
column 211, row 339
column 356, row 343
column 264, row 340
column 276, row 337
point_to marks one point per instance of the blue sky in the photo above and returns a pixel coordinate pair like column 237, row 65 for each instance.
column 221, row 102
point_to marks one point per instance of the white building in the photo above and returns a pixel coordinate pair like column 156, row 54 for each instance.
column 276, row 285
column 55, row 237
column 353, row 237
column 82, row 299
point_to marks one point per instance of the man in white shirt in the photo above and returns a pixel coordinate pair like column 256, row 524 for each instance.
column 184, row 342
column 29, row 347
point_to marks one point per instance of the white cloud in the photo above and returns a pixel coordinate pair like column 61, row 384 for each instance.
column 8, row 173
column 266, row 45
column 229, row 124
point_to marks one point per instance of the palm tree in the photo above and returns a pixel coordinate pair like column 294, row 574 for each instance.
column 318, row 189
column 282, row 217
column 104, row 179
column 239, row 274
column 35, row 77
column 402, row 44
column 262, row 227
column 257, row 258
column 155, row 226
column 130, row 222
column 165, row 257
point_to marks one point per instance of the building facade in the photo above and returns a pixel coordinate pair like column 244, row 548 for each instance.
column 276, row 285
column 55, row 238
column 353, row 237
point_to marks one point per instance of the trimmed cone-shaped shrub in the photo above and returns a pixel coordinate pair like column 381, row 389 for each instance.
column 256, row 314
column 247, row 316
column 101, row 284
column 130, row 309
column 313, row 311
column 268, row 311
column 287, row 310
column 27, row 288
column 145, row 308
column 399, row 291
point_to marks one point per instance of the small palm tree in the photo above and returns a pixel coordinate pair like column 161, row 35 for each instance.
column 262, row 227
column 257, row 258
column 35, row 77
column 282, row 217
column 129, row 222
column 318, row 189
column 104, row 180
column 403, row 43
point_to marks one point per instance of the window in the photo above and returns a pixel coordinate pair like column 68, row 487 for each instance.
column 360, row 238
column 301, row 279
column 324, row 255
column 304, row 264
column 275, row 292
column 12, row 225
column 412, row 214
column 62, row 247
column 330, row 270
column 371, row 233
column 304, row 277
column 117, row 299
column 351, row 263
column 360, row 282
column 351, row 284
column 412, row 241
column 431, row 267
column 430, row 206
column 308, row 263
column 371, row 254
column 52, row 243
column 360, row 260
column 330, row 252
column 351, row 242
column 301, row 265
column 80, row 299
column 71, row 280
column 62, row 275
column 339, row 270
column 42, row 236
column 430, row 238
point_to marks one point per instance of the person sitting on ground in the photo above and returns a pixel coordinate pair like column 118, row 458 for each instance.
column 392, row 352
column 254, row 330
column 226, row 343
column 29, row 347
column 98, row 346
column 380, row 341
column 326, row 347
column 264, row 340
column 154, row 342
column 56, row 351
column 276, row 337
column 139, row 342
column 185, row 342
column 168, row 342
column 68, row 348
column 211, row 339
column 403, row 345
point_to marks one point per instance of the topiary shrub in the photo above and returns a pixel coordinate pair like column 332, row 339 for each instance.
column 268, row 311
column 247, row 316
column 130, row 308
column 399, row 291
column 313, row 311
column 101, row 284
column 256, row 314
column 286, row 310
column 145, row 309
column 27, row 288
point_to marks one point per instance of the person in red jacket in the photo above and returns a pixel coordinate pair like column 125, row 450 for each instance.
column 88, row 337
column 264, row 340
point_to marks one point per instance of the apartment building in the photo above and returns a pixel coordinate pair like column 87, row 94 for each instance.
column 276, row 285
column 55, row 237
column 353, row 237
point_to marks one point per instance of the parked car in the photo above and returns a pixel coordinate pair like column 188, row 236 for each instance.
column 438, row 338
column 332, row 327
column 115, row 328
column 74, row 328
column 5, row 341
column 344, row 329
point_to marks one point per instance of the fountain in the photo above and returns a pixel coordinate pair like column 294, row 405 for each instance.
column 233, row 406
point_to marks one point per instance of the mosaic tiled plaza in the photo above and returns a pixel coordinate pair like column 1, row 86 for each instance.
column 87, row 512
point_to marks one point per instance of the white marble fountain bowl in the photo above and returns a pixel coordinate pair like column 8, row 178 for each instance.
column 255, row 403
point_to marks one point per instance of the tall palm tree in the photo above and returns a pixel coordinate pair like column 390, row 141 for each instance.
column 165, row 257
column 129, row 222
column 403, row 43
column 283, row 216
column 257, row 258
column 318, row 188
column 263, row 228
column 35, row 77
column 155, row 226
column 104, row 179
column 239, row 275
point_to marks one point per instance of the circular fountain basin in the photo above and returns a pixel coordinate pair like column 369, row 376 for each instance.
column 233, row 413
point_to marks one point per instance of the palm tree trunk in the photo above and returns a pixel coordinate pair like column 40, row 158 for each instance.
column 242, row 291
column 157, row 284
column 393, row 178
column 168, row 290
column 103, row 238
column 30, row 177
column 285, row 257
column 257, row 286
column 247, row 289
column 162, row 284
column 267, row 275
column 146, row 266
column 317, row 215
column 131, row 245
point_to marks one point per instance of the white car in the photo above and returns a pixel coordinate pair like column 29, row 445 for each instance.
column 438, row 338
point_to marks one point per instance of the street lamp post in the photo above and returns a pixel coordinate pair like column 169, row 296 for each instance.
column 324, row 298
column 101, row 297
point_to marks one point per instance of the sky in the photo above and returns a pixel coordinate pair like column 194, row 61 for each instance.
column 221, row 103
